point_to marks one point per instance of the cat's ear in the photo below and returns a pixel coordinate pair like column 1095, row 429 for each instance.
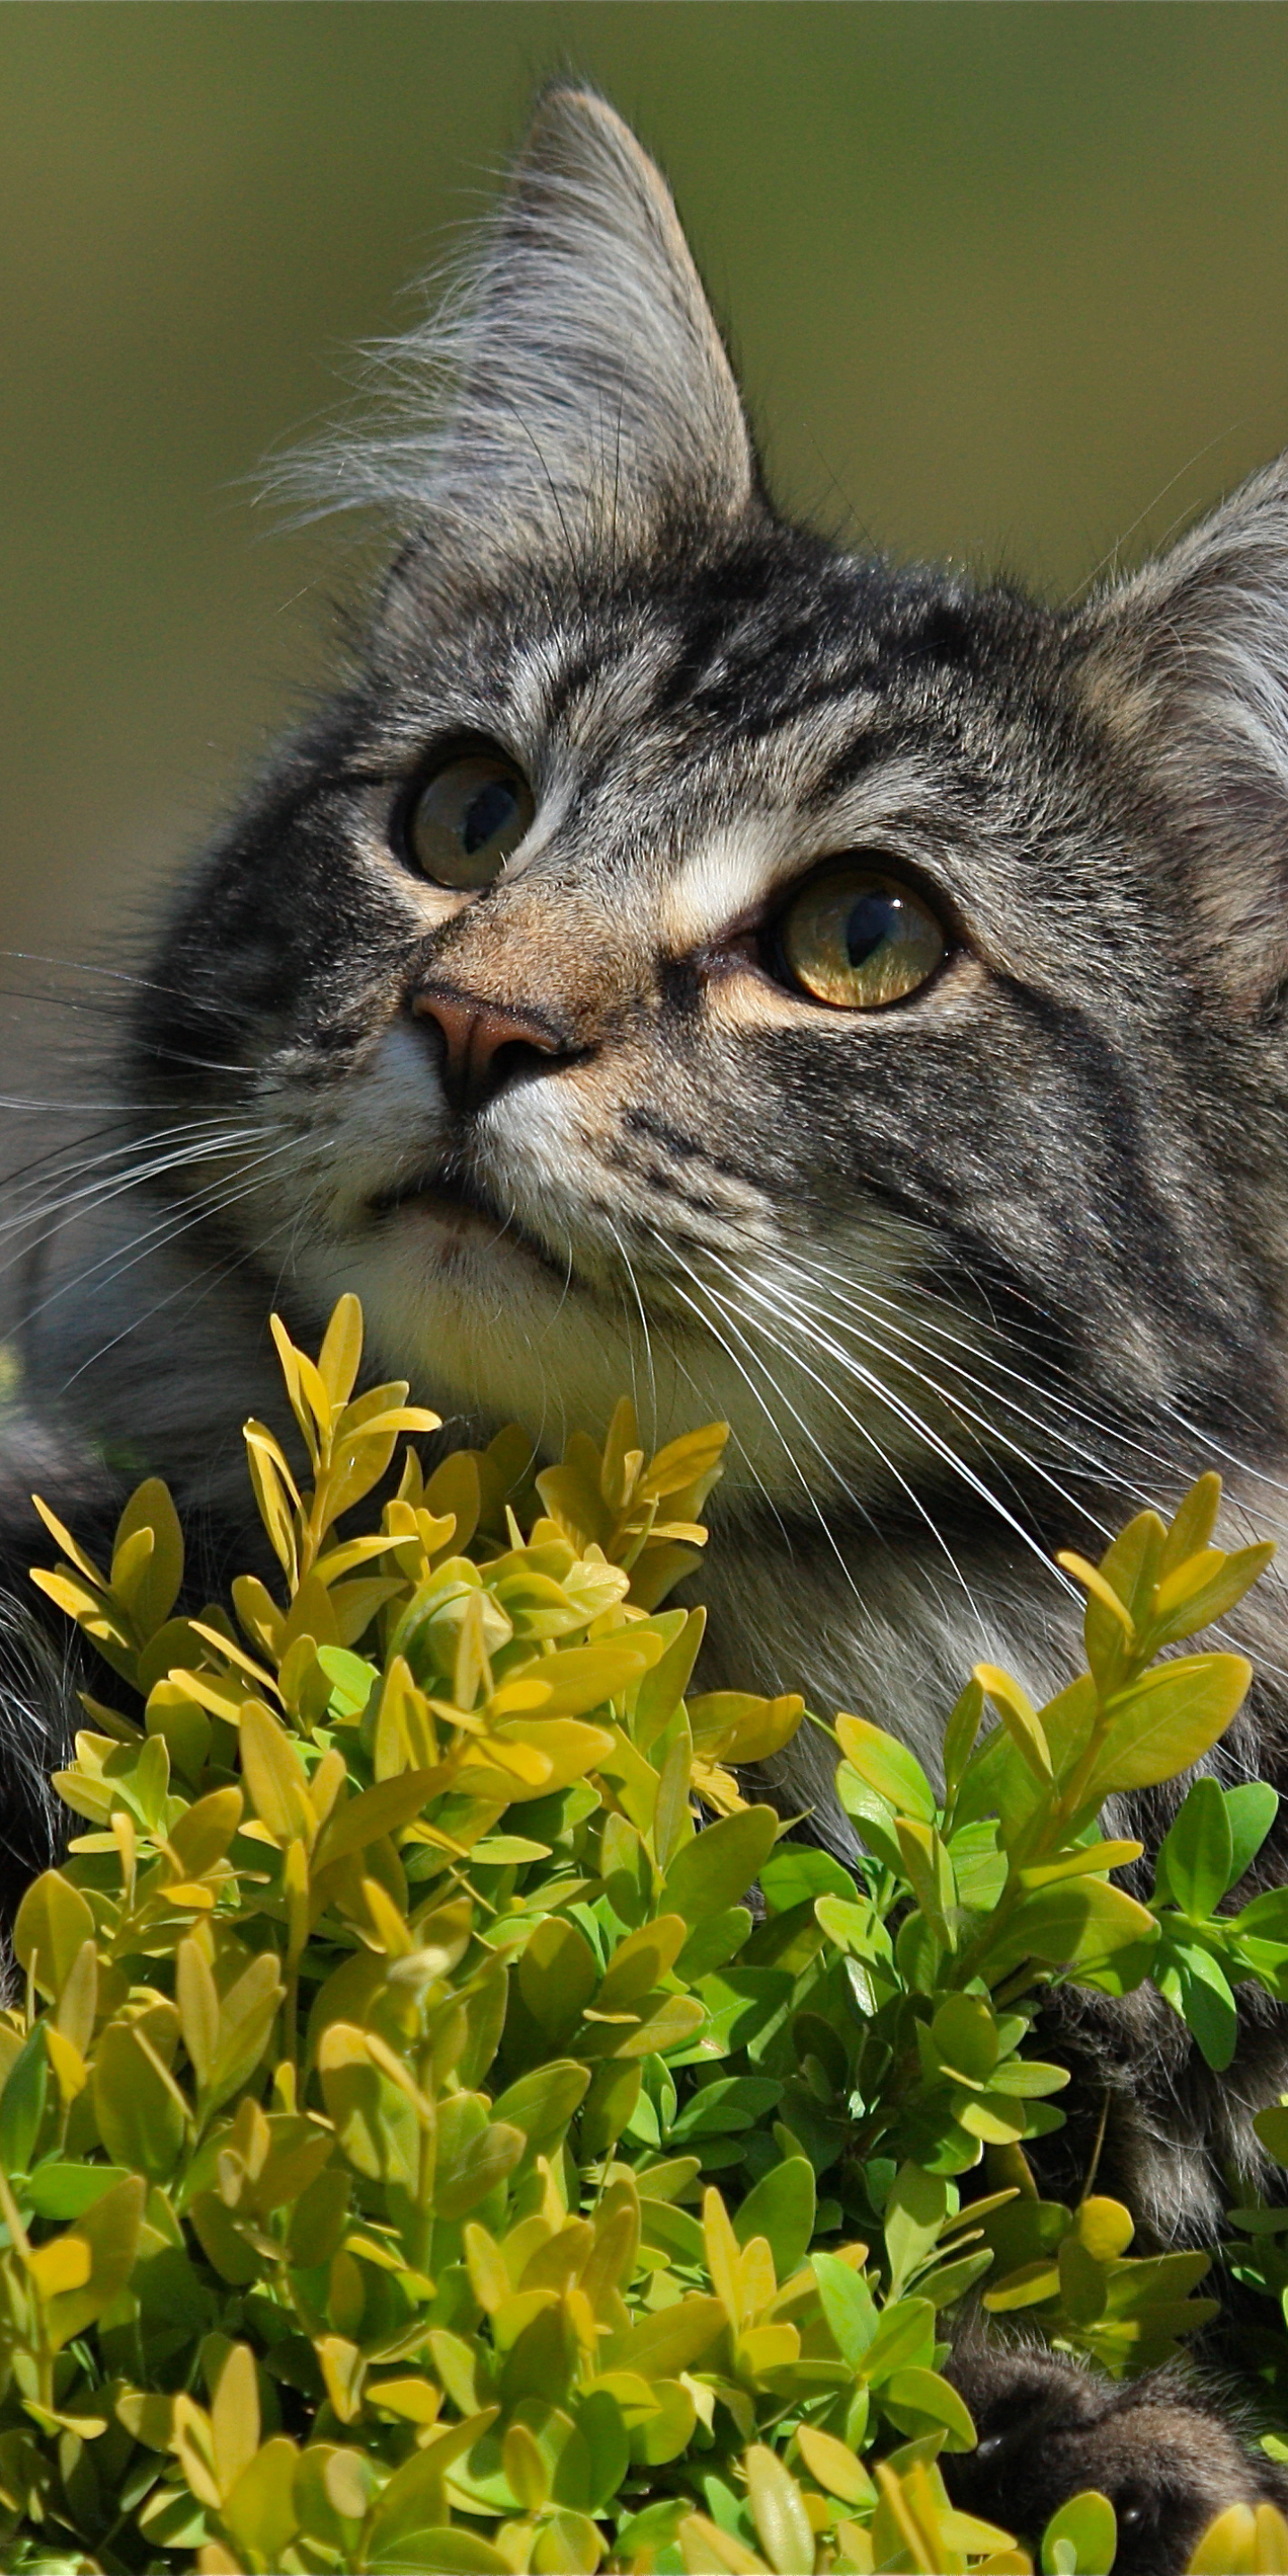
column 1189, row 670
column 574, row 391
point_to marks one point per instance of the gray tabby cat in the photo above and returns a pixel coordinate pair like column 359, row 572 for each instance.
column 837, row 998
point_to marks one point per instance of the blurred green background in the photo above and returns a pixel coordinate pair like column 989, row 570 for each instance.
column 1008, row 283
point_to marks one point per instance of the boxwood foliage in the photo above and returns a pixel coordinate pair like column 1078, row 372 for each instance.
column 447, row 2126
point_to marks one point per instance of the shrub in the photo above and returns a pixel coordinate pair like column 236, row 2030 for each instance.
column 423, row 2148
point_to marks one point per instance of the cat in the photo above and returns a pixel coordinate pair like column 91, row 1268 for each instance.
column 848, row 1000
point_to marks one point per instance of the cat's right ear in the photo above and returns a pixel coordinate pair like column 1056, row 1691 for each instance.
column 1187, row 669
column 573, row 394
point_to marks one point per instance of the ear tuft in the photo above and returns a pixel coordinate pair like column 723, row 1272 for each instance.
column 1188, row 669
column 572, row 391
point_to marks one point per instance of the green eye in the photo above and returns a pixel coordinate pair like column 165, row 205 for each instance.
column 468, row 818
column 859, row 940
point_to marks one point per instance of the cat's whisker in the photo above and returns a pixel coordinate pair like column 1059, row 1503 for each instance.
column 990, row 1426
column 87, row 1201
column 156, row 1237
column 712, row 1328
column 212, row 1274
column 77, row 1166
column 990, row 1359
column 629, row 1268
column 912, row 1421
column 109, row 974
column 791, row 1353
column 704, row 1395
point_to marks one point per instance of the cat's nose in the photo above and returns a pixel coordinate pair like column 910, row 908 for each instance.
column 485, row 1046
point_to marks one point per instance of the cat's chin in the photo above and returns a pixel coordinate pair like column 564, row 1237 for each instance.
column 481, row 1319
column 455, row 1232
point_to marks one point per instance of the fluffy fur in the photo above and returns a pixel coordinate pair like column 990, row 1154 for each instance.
column 969, row 1275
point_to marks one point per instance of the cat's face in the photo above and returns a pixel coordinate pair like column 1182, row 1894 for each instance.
column 691, row 959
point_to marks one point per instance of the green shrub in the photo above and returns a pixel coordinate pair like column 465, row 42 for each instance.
column 417, row 2152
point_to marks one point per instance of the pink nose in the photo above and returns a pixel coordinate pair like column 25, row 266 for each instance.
column 484, row 1045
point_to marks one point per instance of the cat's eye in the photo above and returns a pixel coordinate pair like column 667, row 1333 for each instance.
column 468, row 817
column 858, row 939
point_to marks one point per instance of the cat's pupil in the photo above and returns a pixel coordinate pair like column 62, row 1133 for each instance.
column 870, row 921
column 487, row 814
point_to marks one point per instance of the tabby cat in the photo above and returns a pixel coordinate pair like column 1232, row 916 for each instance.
column 844, row 999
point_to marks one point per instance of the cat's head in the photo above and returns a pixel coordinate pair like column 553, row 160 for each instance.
column 691, row 956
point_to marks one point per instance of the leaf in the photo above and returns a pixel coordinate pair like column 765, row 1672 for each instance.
column 1204, row 1999
column 57, row 2190
column 1197, row 1853
column 198, row 2009
column 582, row 1678
column 275, row 1776
column 53, row 1921
column 917, row 2399
column 915, row 2212
column 1167, row 1720
column 783, row 2527
column 672, row 2340
column 153, row 1591
column 109, row 2233
column 1252, row 1809
column 798, row 1872
column 267, row 1475
column 542, row 2103
column 341, row 1354
column 1192, row 1525
column 1019, row 1717
column 1203, row 1589
column 1082, row 1922
column 848, row 2306
column 743, row 1727
column 887, row 1767
column 959, row 1736
column 139, row 2112
column 557, row 1975
column 259, row 2509
column 372, row 1814
column 22, row 2103
column 929, row 1873
column 461, row 2184
column 834, row 2466
column 780, row 2207
column 639, row 1961
column 1087, row 2526
column 716, row 1868
column 234, row 2416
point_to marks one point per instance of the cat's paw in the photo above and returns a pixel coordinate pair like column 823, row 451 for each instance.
column 1163, row 2450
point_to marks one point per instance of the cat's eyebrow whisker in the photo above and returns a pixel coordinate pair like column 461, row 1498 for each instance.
column 789, row 1351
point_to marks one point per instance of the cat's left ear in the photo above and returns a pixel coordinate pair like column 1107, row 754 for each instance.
column 572, row 394
column 1188, row 669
